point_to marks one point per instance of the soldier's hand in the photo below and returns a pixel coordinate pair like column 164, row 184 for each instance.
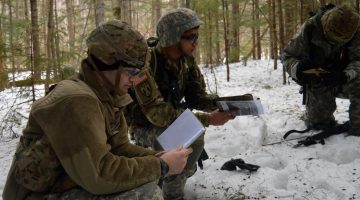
column 176, row 159
column 303, row 65
column 218, row 118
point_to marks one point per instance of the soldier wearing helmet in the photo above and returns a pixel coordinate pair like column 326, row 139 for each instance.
column 76, row 146
column 177, row 77
column 327, row 43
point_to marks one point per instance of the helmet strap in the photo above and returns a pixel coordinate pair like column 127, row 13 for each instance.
column 178, row 46
column 105, row 80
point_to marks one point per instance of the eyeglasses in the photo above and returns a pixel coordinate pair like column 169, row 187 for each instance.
column 191, row 38
column 131, row 71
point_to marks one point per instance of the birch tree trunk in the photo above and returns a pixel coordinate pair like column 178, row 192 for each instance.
column 11, row 41
column 99, row 12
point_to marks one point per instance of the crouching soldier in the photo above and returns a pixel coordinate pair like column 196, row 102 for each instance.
column 76, row 146
column 176, row 83
column 324, row 57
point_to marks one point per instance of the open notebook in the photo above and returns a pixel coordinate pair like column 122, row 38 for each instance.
column 182, row 132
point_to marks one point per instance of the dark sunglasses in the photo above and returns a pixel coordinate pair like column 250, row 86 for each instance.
column 192, row 38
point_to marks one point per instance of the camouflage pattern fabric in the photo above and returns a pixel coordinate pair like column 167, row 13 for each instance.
column 149, row 191
column 311, row 43
column 36, row 167
column 173, row 24
column 173, row 186
column 340, row 24
column 165, row 108
column 117, row 41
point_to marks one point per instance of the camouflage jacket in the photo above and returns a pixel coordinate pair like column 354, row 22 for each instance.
column 311, row 43
column 180, row 85
column 83, row 141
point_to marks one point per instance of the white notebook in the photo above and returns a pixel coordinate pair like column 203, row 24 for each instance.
column 182, row 132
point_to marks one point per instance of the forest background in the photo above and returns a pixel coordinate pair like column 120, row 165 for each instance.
column 47, row 37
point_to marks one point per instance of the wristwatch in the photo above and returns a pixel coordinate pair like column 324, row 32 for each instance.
column 164, row 168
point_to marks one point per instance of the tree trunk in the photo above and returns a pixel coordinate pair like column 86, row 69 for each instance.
column 208, row 38
column 224, row 5
column 11, row 42
column 3, row 72
column 156, row 13
column 57, row 61
column 99, row 12
column 281, row 25
column 274, row 34
column 71, row 28
column 174, row 4
column 235, row 50
column 357, row 5
column 188, row 3
column 253, row 37
column 126, row 11
column 289, row 21
column 35, row 41
column 49, row 44
column 257, row 28
column 217, row 39
column 27, row 36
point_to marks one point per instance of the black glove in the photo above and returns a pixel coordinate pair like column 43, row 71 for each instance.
column 204, row 156
column 304, row 64
column 233, row 163
column 334, row 78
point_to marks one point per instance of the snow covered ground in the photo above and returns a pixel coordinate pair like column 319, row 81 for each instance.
column 330, row 171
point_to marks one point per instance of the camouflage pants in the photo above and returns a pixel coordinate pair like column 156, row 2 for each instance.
column 173, row 186
column 321, row 104
column 148, row 191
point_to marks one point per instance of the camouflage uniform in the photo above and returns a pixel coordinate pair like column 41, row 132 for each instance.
column 149, row 191
column 175, row 80
column 76, row 139
column 330, row 40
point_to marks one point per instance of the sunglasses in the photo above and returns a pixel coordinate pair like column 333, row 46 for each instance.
column 192, row 38
column 131, row 71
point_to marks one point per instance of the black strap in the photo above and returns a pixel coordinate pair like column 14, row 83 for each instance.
column 319, row 138
column 204, row 156
column 296, row 131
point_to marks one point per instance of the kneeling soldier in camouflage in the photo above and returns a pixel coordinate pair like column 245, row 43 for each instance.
column 176, row 83
column 324, row 57
column 76, row 146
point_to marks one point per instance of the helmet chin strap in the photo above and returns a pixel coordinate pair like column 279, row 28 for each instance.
column 112, row 87
column 178, row 46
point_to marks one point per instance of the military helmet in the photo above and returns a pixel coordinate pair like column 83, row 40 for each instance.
column 340, row 24
column 115, row 44
column 173, row 24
